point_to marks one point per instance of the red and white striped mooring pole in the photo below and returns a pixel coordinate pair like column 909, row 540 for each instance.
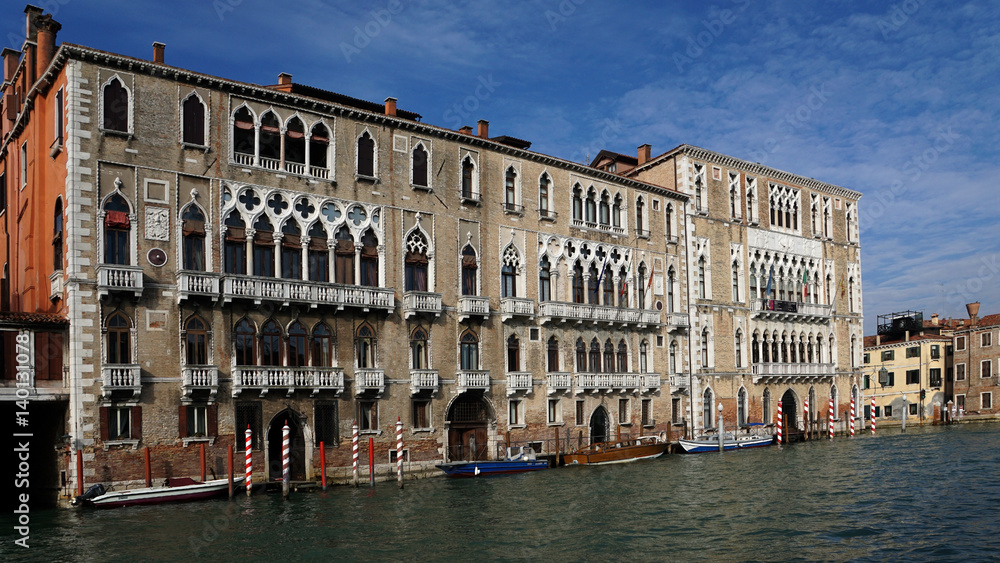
column 780, row 423
column 805, row 416
column 853, row 415
column 873, row 416
column 399, row 452
column 830, row 423
column 354, row 445
column 249, row 477
column 285, row 450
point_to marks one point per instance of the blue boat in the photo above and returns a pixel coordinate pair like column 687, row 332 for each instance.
column 710, row 443
column 519, row 460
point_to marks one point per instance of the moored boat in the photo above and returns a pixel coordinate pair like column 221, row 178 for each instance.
column 621, row 451
column 710, row 443
column 180, row 489
column 518, row 460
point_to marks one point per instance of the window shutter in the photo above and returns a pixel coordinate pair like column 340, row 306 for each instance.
column 136, row 423
column 212, row 414
column 182, row 420
column 103, row 414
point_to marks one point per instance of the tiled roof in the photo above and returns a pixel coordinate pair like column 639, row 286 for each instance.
column 870, row 341
column 27, row 320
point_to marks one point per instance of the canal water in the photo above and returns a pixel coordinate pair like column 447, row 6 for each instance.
column 931, row 493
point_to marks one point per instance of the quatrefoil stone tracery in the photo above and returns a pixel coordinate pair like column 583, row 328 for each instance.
column 511, row 257
column 416, row 243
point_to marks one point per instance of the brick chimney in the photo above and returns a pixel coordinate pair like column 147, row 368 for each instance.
column 935, row 320
column 390, row 106
column 284, row 79
column 158, row 52
column 484, row 129
column 46, row 40
column 10, row 60
column 466, row 130
column 973, row 309
column 644, row 153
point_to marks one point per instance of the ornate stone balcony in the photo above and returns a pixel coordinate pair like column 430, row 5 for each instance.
column 473, row 306
column 511, row 307
column 561, row 311
column 56, row 285
column 421, row 302
column 518, row 382
column 607, row 382
column 649, row 382
column 191, row 284
column 558, row 382
column 792, row 372
column 678, row 382
column 314, row 294
column 197, row 378
column 265, row 378
column 424, row 380
column 772, row 309
column 124, row 279
column 473, row 380
column 120, row 377
column 678, row 322
column 367, row 380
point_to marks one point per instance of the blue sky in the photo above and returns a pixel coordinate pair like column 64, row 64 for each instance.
column 899, row 101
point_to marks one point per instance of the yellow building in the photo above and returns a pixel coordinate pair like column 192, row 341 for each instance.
column 905, row 373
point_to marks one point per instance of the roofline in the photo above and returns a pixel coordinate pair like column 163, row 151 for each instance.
column 754, row 167
column 68, row 51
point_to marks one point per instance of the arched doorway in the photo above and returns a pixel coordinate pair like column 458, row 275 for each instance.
column 600, row 425
column 468, row 422
column 789, row 410
column 296, row 443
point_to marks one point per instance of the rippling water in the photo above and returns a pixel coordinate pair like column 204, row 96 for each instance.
column 932, row 493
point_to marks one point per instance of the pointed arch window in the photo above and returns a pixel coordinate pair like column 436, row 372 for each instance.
column 741, row 407
column 671, row 280
column 291, row 251
column 544, row 280
column 193, row 232
column 739, row 348
column 577, row 203
column 269, row 141
column 766, row 404
column 469, row 352
column 616, row 212
column 344, row 256
column 245, row 342
column 295, row 146
column 593, row 290
column 369, row 259
column 622, row 287
column 704, row 348
column 296, row 345
column 418, row 348
column 321, row 354
column 196, row 342
column 508, row 271
column 243, row 136
column 641, row 286
column 622, row 357
column 736, row 282
column 468, row 179
column 513, row 353
column 643, row 357
column 270, row 344
column 609, row 357
column 708, row 402
column 640, row 223
column 510, row 190
column 608, row 284
column 57, row 236
column 673, row 356
column 419, row 166
column 416, row 262
column 544, row 186
column 318, row 254
column 591, row 206
column 581, row 355
column 470, row 268
column 119, row 339
column 594, row 359
column 117, row 231
column 366, row 155
column 365, row 343
column 116, row 106
column 319, row 150
column 263, row 248
column 193, row 120
column 702, row 284
column 578, row 293
column 604, row 215
column 553, row 354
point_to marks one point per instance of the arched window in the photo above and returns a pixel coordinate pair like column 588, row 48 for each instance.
column 508, row 271
column 581, row 355
column 671, row 280
column 119, row 334
column 673, row 356
column 470, row 267
column 469, row 353
column 57, row 236
column 193, row 232
column 753, row 283
column 295, row 146
column 322, row 346
column 704, row 348
column 668, row 212
column 593, row 290
column 263, row 248
column 365, row 346
column 609, row 357
column 544, row 280
column 850, row 295
column 468, row 179
column 577, row 203
column 591, row 206
column 245, row 342
column 193, row 122
column 419, row 165
column 643, row 357
column 622, row 357
column 639, row 219
column 117, row 231
column 369, row 259
column 510, row 190
column 640, row 283
column 544, row 186
column 754, row 349
column 594, row 359
column 702, row 284
column 291, row 251
column 623, row 275
column 116, row 106
column 344, row 256
column 366, row 155
column 513, row 353
column 708, row 401
column 243, row 136
column 736, row 282
column 319, row 148
column 608, row 284
column 741, row 407
column 578, row 293
column 605, row 209
column 270, row 344
column 196, row 342
column 616, row 212
column 553, row 354
column 235, row 245
column 269, row 141
column 766, row 403
column 739, row 348
column 296, row 345
column 418, row 348
column 319, row 254
column 416, row 262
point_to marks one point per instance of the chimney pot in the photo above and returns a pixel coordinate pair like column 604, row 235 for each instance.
column 10, row 60
column 644, row 153
column 934, row 319
column 284, row 78
column 390, row 106
column 158, row 52
column 973, row 309
column 466, row 130
column 484, row 129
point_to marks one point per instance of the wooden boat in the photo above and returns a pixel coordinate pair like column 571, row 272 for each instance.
column 710, row 443
column 180, row 489
column 518, row 460
column 621, row 451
